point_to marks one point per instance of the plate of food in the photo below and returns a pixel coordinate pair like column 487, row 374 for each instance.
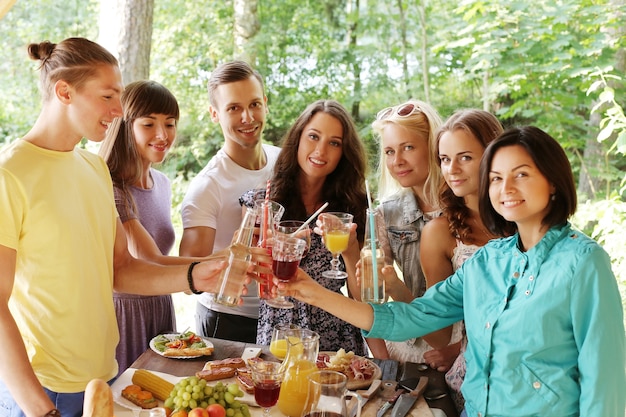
column 186, row 345
column 127, row 395
column 129, row 389
column 359, row 370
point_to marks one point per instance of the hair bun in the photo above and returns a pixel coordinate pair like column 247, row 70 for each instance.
column 41, row 51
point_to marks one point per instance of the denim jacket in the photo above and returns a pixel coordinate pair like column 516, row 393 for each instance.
column 404, row 221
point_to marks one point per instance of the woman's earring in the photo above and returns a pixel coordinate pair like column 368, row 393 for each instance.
column 553, row 197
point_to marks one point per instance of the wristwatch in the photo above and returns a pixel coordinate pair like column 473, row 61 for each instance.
column 53, row 413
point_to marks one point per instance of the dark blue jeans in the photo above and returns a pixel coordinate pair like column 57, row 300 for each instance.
column 69, row 404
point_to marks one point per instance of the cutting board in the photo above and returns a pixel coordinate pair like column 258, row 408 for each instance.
column 420, row 408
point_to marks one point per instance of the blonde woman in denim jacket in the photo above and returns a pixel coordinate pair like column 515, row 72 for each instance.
column 408, row 188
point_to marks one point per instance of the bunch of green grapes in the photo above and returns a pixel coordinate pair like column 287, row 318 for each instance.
column 192, row 392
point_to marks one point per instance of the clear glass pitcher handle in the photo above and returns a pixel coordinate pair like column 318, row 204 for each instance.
column 355, row 411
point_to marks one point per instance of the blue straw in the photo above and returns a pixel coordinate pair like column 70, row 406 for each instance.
column 373, row 239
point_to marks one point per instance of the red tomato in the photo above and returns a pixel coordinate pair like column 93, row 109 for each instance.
column 216, row 410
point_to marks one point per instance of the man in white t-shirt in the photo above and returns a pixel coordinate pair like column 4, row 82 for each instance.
column 211, row 211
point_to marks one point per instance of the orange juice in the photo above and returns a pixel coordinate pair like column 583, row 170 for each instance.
column 279, row 348
column 337, row 241
column 295, row 386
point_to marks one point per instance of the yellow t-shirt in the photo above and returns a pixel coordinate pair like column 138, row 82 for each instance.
column 57, row 211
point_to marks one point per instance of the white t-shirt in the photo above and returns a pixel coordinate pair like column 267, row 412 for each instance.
column 213, row 199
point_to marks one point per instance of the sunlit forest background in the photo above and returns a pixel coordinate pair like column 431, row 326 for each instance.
column 558, row 65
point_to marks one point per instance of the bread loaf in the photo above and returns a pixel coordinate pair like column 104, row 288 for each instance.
column 98, row 399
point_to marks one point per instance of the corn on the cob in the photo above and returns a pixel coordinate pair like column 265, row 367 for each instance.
column 148, row 381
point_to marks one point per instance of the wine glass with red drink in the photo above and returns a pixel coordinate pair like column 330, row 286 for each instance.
column 287, row 252
column 289, row 227
column 267, row 377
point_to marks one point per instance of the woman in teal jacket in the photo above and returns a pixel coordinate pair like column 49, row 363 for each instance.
column 542, row 308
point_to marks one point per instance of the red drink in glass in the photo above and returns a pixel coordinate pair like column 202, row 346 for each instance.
column 266, row 393
column 285, row 270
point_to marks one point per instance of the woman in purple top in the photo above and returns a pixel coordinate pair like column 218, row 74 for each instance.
column 143, row 198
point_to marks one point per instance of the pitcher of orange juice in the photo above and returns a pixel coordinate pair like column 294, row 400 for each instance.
column 300, row 362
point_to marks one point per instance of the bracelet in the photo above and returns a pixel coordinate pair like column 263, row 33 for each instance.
column 53, row 413
column 190, row 278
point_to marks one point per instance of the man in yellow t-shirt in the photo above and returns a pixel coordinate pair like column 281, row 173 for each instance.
column 62, row 247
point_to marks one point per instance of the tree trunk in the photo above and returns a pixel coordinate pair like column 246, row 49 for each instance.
column 246, row 26
column 126, row 30
column 421, row 8
column 353, row 8
column 594, row 156
column 403, row 48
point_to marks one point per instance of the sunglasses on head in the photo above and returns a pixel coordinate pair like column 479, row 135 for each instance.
column 402, row 110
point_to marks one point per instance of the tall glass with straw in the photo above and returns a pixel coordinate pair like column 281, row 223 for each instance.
column 268, row 213
column 372, row 258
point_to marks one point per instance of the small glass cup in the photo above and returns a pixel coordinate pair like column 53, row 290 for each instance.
column 286, row 255
column 267, row 377
column 278, row 344
column 326, row 395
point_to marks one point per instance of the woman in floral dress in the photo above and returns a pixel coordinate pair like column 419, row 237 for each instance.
column 322, row 160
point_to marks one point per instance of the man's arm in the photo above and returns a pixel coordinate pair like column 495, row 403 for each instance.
column 197, row 241
column 136, row 276
column 142, row 245
column 15, row 368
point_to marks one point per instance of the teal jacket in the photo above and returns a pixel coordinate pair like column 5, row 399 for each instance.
column 545, row 328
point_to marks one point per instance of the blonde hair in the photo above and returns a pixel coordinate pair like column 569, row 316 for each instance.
column 424, row 124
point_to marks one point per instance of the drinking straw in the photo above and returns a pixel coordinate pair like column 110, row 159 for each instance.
column 266, row 215
column 373, row 239
column 310, row 219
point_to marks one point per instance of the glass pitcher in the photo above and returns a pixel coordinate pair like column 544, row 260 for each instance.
column 327, row 395
column 300, row 362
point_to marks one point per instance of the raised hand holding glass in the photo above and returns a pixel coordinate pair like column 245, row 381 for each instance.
column 336, row 227
column 286, row 255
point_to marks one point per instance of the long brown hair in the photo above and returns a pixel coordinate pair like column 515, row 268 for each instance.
column 74, row 60
column 119, row 149
column 485, row 127
column 344, row 188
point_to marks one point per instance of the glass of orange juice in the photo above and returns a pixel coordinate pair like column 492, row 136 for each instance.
column 278, row 344
column 336, row 228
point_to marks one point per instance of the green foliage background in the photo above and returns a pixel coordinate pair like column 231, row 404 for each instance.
column 538, row 59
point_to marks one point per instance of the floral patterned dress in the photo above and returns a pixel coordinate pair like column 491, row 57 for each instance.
column 456, row 373
column 334, row 332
